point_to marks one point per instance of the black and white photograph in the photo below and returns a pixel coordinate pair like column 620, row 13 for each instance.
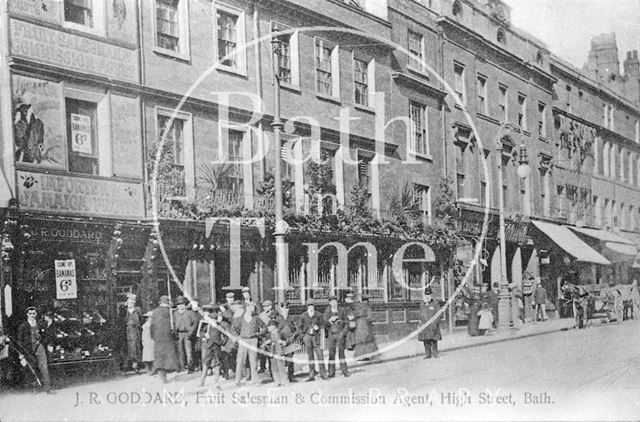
column 319, row 210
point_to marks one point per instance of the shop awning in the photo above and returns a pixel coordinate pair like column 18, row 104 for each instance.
column 571, row 244
column 620, row 252
column 603, row 235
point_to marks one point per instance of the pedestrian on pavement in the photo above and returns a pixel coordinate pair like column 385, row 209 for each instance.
column 186, row 325
column 287, row 329
column 247, row 297
column 336, row 322
column 193, row 307
column 165, row 359
column 486, row 319
column 276, row 353
column 349, row 309
column 147, row 344
column 212, row 340
column 364, row 338
column 265, row 317
column 230, row 347
column 309, row 327
column 474, row 308
column 248, row 328
column 430, row 334
column 34, row 341
column 635, row 299
column 494, row 299
column 134, row 332
column 540, row 298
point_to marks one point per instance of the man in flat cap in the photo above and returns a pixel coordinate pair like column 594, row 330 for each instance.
column 336, row 322
column 430, row 334
column 186, row 325
column 212, row 340
column 248, row 297
column 165, row 353
column 309, row 327
column 265, row 317
column 133, row 327
column 287, row 329
column 33, row 339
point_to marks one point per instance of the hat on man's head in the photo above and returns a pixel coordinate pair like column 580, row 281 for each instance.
column 267, row 303
column 246, row 289
column 209, row 307
column 31, row 308
column 428, row 291
column 230, row 295
column 284, row 304
column 333, row 297
column 132, row 296
column 311, row 302
column 365, row 298
column 180, row 300
column 163, row 299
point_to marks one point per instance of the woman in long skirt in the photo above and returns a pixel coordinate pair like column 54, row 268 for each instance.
column 365, row 340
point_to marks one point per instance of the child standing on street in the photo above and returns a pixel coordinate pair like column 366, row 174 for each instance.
column 212, row 340
column 147, row 344
column 277, row 364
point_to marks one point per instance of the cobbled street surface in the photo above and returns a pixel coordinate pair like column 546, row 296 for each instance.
column 586, row 374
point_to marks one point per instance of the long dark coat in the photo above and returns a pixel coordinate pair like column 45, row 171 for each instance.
column 134, row 334
column 166, row 353
column 431, row 331
column 365, row 340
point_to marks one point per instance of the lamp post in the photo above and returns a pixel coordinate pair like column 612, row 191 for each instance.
column 277, row 125
column 504, row 297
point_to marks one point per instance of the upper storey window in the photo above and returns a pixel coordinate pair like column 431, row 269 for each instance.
column 501, row 36
column 84, row 15
column 457, row 9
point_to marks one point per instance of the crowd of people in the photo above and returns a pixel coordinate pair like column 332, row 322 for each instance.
column 240, row 339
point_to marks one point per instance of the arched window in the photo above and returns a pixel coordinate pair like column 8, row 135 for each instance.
column 501, row 37
column 539, row 58
column 457, row 9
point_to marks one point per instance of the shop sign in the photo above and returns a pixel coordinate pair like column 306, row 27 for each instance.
column 66, row 287
column 79, row 195
column 71, row 51
column 81, row 134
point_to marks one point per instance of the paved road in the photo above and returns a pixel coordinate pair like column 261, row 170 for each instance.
column 591, row 374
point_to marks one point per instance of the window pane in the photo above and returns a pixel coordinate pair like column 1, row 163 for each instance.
column 79, row 12
column 167, row 26
column 227, row 38
column 361, row 82
column 284, row 53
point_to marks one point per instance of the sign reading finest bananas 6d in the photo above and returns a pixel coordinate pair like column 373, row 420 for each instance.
column 66, row 286
column 77, row 195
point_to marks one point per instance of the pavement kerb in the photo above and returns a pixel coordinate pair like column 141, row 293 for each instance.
column 466, row 346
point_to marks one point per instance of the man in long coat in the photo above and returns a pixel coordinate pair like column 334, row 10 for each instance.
column 133, row 328
column 430, row 334
column 166, row 355
column 335, row 320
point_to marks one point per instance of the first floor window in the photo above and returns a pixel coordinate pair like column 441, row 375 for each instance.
column 284, row 52
column 419, row 132
column 82, row 136
column 167, row 25
column 173, row 136
column 79, row 12
column 361, row 81
column 228, row 29
column 324, row 67
column 422, row 200
column 234, row 179
column 416, row 50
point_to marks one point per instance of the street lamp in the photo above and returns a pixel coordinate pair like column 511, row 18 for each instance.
column 277, row 125
column 504, row 297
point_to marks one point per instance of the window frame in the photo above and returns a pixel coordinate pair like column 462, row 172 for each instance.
column 522, row 111
column 94, row 156
column 184, row 50
column 503, row 102
column 542, row 120
column 420, row 68
column 98, row 16
column 460, row 78
column 294, row 54
column 239, row 65
column 424, row 200
column 370, row 80
column 482, row 100
column 334, row 58
column 187, row 147
column 424, row 120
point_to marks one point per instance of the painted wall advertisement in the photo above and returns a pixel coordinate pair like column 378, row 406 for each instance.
column 78, row 195
column 66, row 286
column 38, row 125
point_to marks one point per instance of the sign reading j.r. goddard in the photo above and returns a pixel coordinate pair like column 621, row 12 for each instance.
column 78, row 195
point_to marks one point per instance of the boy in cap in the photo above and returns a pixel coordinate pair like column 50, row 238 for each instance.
column 276, row 362
column 212, row 340
column 309, row 330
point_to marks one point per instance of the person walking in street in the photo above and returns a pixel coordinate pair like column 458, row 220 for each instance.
column 336, row 322
column 193, row 307
column 540, row 298
column 212, row 340
column 165, row 357
column 248, row 327
column 134, row 332
column 186, row 325
column 430, row 334
column 33, row 339
column 230, row 347
column 635, row 300
column 147, row 344
column 494, row 299
column 309, row 327
column 287, row 329
column 365, row 340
